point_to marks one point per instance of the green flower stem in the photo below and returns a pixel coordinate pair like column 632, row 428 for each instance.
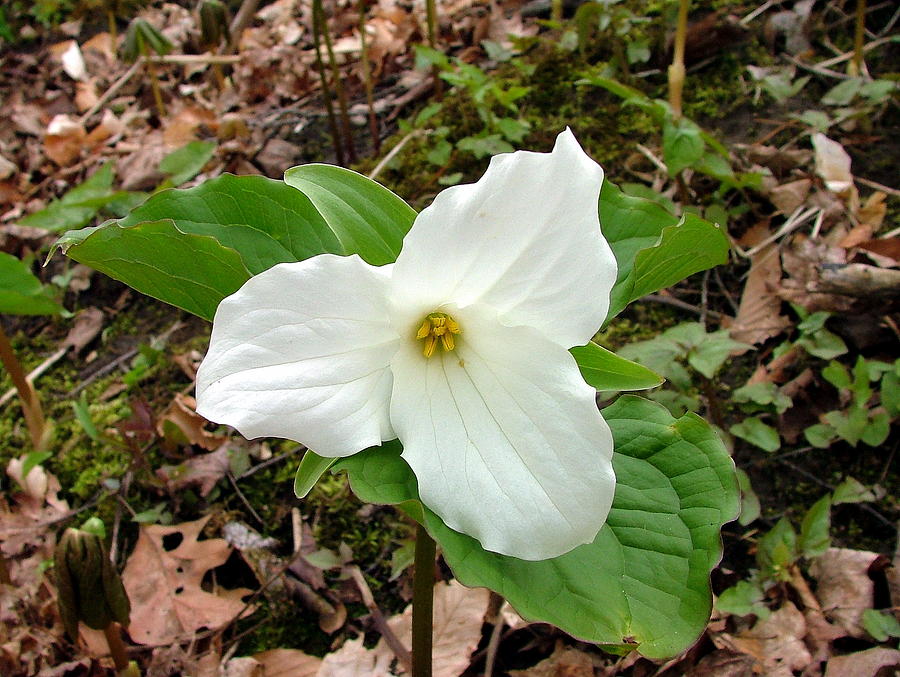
column 113, row 635
column 676, row 70
column 31, row 406
column 423, row 603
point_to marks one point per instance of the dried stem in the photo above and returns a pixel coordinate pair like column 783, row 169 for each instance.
column 423, row 603
column 676, row 70
column 31, row 406
column 113, row 31
column 431, row 21
column 113, row 635
column 338, row 83
column 326, row 89
column 367, row 78
column 154, row 84
column 857, row 65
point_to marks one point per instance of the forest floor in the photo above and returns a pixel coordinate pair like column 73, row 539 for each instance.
column 808, row 407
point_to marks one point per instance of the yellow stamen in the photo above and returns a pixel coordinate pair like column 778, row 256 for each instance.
column 438, row 326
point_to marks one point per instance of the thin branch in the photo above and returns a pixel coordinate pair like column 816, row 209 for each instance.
column 400, row 651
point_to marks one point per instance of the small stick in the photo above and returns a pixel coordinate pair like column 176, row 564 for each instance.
column 193, row 59
column 115, row 87
column 392, row 153
column 240, row 21
column 878, row 186
column 35, row 373
column 400, row 651
column 338, row 85
column 244, row 499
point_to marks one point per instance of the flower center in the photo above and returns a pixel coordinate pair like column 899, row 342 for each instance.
column 437, row 327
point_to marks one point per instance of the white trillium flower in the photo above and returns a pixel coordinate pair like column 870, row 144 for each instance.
column 460, row 350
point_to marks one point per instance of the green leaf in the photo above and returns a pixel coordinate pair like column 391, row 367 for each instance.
column 852, row 490
column 604, row 370
column 653, row 248
column 78, row 206
column 878, row 429
column 193, row 272
column 709, row 354
column 311, row 468
column 764, row 394
column 366, row 217
column 742, row 599
column 890, row 393
column 777, row 549
column 645, row 578
column 749, row 500
column 682, row 145
column 819, row 435
column 814, row 531
column 21, row 293
column 843, row 93
column 757, row 433
column 881, row 625
column 837, row 375
column 32, row 459
column 193, row 247
column 186, row 162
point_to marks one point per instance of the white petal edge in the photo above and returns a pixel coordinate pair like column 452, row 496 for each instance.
column 302, row 351
column 525, row 240
column 505, row 439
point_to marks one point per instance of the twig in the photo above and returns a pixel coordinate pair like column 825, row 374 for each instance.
column 400, row 651
column 893, row 192
column 392, row 153
column 678, row 303
column 494, row 642
column 103, row 371
column 109, row 93
column 270, row 461
column 244, row 499
column 239, row 23
column 759, row 10
column 794, row 221
column 846, row 56
column 35, row 373
column 194, row 59
column 646, row 152
column 817, row 69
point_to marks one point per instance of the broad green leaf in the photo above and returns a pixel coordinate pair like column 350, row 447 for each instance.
column 749, row 500
column 777, row 549
column 742, row 599
column 366, row 217
column 185, row 163
column 819, row 435
column 191, row 248
column 890, row 393
column 604, row 370
column 21, row 293
column 78, row 206
column 763, row 394
column 881, row 625
column 654, row 249
column 193, row 272
column 814, row 531
column 877, row 430
column 311, row 468
column 852, row 490
column 843, row 92
column 644, row 581
column 712, row 351
column 682, row 145
column 757, row 433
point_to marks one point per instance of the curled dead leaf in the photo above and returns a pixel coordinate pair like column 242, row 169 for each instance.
column 844, row 587
column 64, row 140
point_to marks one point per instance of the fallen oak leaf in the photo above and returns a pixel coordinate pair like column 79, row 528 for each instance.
column 163, row 577
column 181, row 416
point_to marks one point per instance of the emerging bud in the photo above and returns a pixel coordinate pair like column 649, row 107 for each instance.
column 88, row 584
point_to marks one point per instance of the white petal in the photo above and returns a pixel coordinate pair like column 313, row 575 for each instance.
column 505, row 438
column 524, row 240
column 302, row 351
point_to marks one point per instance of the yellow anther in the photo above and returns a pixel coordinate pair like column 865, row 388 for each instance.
column 438, row 326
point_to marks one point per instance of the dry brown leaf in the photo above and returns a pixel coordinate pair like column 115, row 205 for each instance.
column 866, row 663
column 759, row 315
column 788, row 196
column 163, row 577
column 102, row 44
column 564, row 662
column 110, row 126
column 245, row 666
column 88, row 324
column 181, row 414
column 203, row 471
column 723, row 663
column 355, row 660
column 64, row 140
column 86, row 94
column 887, row 247
column 288, row 663
column 777, row 641
column 458, row 617
column 182, row 128
column 833, row 165
column 844, row 587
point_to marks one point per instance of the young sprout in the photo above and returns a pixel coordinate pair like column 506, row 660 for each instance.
column 140, row 40
column 213, row 29
column 90, row 589
column 676, row 70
